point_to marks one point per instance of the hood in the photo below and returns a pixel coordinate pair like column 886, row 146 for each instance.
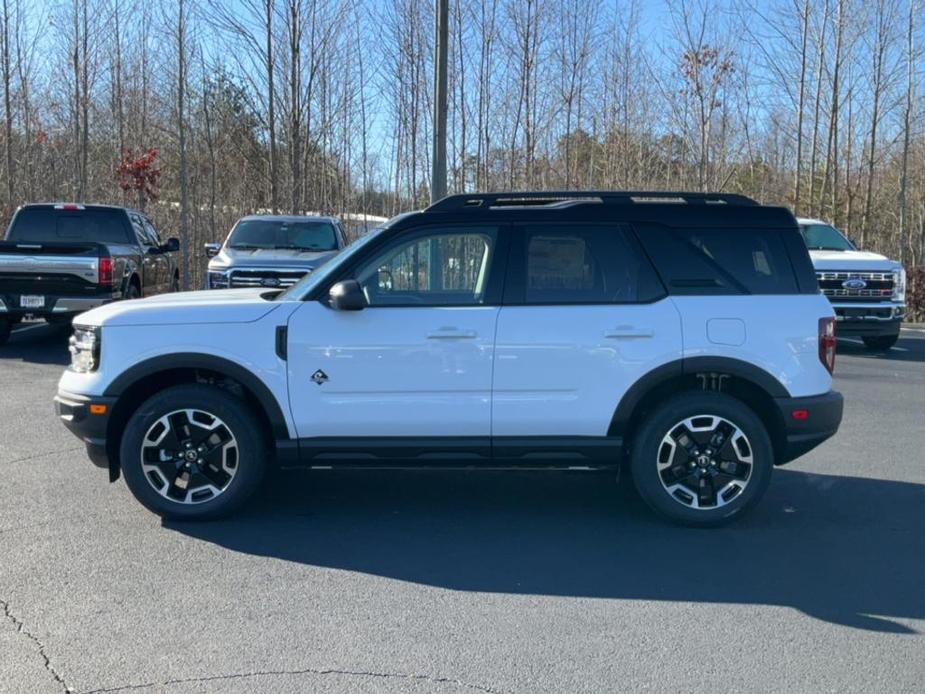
column 184, row 308
column 852, row 260
column 276, row 258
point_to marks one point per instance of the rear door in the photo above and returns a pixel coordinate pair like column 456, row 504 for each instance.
column 161, row 259
column 584, row 317
column 149, row 265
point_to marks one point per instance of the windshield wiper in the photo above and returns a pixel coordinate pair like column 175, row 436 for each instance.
column 246, row 247
column 301, row 249
column 826, row 248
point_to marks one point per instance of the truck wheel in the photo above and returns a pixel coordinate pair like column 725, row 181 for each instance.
column 5, row 329
column 131, row 292
column 193, row 452
column 880, row 343
column 702, row 459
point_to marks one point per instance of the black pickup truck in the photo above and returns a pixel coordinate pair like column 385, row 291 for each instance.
column 58, row 260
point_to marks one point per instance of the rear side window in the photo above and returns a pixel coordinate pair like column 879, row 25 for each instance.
column 37, row 225
column 584, row 264
column 720, row 261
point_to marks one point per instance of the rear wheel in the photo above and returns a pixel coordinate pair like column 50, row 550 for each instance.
column 702, row 459
column 880, row 343
column 5, row 329
column 193, row 452
column 131, row 292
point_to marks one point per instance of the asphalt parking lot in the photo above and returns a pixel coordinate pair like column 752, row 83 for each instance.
column 454, row 582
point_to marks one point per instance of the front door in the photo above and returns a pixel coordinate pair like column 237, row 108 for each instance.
column 417, row 361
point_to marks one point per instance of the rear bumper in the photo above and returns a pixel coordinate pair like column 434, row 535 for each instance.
column 74, row 412
column 11, row 305
column 808, row 422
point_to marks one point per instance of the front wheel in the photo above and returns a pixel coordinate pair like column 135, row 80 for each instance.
column 702, row 459
column 193, row 452
column 880, row 343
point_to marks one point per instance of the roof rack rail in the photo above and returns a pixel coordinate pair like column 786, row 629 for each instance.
column 563, row 198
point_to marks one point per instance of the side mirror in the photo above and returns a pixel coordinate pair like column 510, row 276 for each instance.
column 212, row 249
column 171, row 246
column 347, row 296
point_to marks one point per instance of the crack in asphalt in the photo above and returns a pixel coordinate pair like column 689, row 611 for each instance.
column 42, row 455
column 305, row 671
column 21, row 628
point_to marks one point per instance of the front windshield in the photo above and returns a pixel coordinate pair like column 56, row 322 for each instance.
column 311, row 280
column 263, row 234
column 824, row 237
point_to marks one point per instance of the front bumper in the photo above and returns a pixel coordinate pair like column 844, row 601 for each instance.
column 868, row 319
column 10, row 305
column 807, row 422
column 87, row 423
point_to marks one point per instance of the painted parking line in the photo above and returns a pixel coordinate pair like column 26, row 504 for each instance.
column 858, row 341
column 24, row 328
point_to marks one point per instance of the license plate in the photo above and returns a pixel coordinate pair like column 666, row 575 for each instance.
column 32, row 301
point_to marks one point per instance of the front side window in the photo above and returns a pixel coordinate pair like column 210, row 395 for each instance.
column 443, row 268
column 584, row 263
column 264, row 234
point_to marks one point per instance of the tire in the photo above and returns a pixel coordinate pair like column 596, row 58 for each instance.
column 5, row 330
column 59, row 320
column 132, row 292
column 880, row 343
column 662, row 459
column 156, row 433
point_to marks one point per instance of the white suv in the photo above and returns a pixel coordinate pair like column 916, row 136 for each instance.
column 681, row 334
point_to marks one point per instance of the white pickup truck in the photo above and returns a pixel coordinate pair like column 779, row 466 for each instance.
column 867, row 290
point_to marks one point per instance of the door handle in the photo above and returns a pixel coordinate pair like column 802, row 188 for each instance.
column 628, row 332
column 451, row 334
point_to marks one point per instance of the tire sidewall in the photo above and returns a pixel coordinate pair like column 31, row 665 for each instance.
column 660, row 421
column 252, row 450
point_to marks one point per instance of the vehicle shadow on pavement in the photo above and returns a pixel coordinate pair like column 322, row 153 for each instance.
column 841, row 549
column 908, row 348
column 38, row 343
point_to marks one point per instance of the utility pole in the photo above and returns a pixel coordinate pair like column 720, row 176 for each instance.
column 438, row 174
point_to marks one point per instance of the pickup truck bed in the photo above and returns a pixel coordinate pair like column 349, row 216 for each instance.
column 59, row 260
column 53, row 278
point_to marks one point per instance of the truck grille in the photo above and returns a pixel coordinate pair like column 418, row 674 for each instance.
column 856, row 286
column 266, row 278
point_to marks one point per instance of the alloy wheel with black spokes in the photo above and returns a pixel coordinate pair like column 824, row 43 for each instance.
column 705, row 461
column 193, row 451
column 702, row 458
column 189, row 456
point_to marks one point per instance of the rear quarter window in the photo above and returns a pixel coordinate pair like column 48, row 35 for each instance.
column 39, row 225
column 720, row 261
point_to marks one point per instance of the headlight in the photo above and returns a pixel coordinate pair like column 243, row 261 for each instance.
column 218, row 280
column 84, row 347
column 899, row 285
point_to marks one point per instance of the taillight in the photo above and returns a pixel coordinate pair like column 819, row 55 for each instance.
column 827, row 343
column 105, row 277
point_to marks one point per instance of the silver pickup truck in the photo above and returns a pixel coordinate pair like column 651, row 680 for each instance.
column 272, row 251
